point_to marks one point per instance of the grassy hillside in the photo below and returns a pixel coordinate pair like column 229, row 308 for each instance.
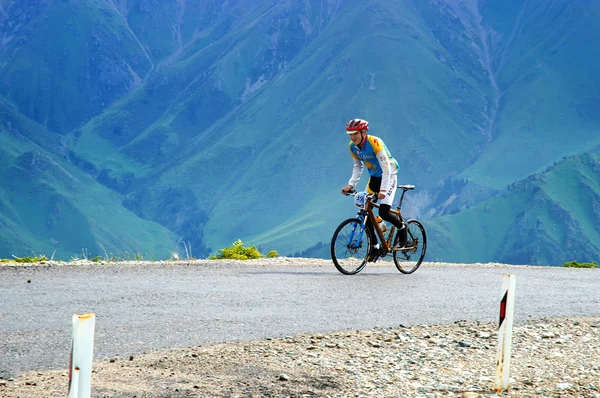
column 47, row 206
column 270, row 106
column 548, row 84
column 64, row 62
column 545, row 219
column 225, row 121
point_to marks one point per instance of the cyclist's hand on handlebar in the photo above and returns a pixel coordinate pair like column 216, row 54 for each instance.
column 347, row 189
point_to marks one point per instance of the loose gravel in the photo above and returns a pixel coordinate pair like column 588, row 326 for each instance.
column 550, row 358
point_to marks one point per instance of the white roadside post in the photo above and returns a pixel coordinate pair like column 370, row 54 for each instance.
column 505, row 325
column 82, row 352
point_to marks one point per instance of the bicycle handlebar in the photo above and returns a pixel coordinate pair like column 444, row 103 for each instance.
column 353, row 192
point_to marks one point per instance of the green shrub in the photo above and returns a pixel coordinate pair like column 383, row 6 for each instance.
column 30, row 259
column 272, row 254
column 575, row 264
column 237, row 251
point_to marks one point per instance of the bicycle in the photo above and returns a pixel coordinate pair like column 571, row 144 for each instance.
column 351, row 244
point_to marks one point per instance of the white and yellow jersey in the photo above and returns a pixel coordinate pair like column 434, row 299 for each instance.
column 375, row 155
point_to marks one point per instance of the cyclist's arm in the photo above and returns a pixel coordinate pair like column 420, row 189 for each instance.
column 386, row 162
column 356, row 172
column 387, row 168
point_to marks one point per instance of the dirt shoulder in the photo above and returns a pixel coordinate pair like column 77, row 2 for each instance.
column 553, row 357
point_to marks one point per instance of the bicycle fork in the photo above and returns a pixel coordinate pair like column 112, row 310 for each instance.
column 352, row 239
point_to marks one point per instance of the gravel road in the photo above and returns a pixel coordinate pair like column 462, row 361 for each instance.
column 141, row 307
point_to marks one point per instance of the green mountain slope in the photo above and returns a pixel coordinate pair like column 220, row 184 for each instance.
column 170, row 29
column 545, row 219
column 220, row 121
column 548, row 84
column 257, row 118
column 49, row 207
column 64, row 62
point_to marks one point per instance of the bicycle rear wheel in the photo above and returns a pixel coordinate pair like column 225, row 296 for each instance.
column 350, row 246
column 408, row 260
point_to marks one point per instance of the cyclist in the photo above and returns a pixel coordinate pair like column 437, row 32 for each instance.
column 370, row 151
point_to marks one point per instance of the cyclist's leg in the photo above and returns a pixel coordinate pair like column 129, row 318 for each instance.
column 386, row 204
column 374, row 185
column 384, row 211
column 372, row 188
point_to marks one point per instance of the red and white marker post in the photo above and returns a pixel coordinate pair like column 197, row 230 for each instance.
column 82, row 352
column 505, row 325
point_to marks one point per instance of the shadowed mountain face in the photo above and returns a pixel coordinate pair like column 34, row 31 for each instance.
column 212, row 122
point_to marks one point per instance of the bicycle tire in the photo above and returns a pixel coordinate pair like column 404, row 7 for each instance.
column 408, row 261
column 341, row 243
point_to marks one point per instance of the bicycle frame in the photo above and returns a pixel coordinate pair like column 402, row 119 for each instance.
column 368, row 211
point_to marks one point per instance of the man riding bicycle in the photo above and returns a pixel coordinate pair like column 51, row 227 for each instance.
column 370, row 151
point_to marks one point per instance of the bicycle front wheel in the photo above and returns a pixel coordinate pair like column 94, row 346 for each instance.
column 408, row 260
column 350, row 246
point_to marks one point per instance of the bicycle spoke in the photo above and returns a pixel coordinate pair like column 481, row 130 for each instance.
column 349, row 247
column 408, row 260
